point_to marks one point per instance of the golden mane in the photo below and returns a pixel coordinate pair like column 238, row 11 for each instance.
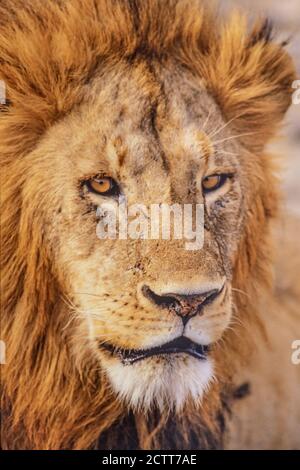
column 49, row 53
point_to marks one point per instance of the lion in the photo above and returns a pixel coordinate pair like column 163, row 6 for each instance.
column 139, row 343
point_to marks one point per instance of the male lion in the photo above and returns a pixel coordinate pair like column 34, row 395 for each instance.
column 141, row 343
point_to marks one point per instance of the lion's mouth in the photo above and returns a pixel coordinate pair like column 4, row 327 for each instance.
column 176, row 346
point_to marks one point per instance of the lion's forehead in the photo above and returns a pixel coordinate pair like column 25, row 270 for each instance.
column 140, row 119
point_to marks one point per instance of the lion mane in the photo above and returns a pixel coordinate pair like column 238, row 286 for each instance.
column 49, row 52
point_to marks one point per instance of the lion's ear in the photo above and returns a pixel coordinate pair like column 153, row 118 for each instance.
column 251, row 78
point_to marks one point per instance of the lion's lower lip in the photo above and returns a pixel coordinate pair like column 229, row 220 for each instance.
column 176, row 346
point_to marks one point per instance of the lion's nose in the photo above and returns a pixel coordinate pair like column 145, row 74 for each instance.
column 184, row 305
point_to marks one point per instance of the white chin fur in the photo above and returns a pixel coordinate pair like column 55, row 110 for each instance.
column 167, row 383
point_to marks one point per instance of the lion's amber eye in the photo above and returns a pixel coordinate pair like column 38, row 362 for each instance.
column 105, row 186
column 213, row 182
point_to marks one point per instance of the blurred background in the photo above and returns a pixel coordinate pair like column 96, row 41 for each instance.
column 286, row 19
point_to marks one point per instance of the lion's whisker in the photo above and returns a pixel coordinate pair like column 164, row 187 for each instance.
column 240, row 291
column 224, row 125
column 232, row 137
column 207, row 119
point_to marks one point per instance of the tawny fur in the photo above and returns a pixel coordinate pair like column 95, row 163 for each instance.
column 50, row 54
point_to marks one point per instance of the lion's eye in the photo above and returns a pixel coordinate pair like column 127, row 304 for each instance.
column 213, row 182
column 105, row 186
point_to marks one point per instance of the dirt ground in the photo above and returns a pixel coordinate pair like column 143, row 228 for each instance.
column 286, row 19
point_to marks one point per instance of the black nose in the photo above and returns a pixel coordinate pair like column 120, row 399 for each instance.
column 185, row 306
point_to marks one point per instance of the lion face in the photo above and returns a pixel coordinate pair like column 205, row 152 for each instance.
column 152, row 310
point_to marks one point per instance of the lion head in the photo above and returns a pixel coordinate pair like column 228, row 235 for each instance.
column 150, row 103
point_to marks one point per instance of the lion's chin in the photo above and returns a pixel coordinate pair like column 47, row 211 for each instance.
column 166, row 382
